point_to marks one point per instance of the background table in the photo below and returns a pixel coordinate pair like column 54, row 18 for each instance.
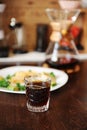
column 68, row 108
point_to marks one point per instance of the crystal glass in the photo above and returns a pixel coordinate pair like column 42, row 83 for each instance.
column 60, row 22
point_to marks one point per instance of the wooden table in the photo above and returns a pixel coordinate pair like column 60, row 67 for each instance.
column 68, row 108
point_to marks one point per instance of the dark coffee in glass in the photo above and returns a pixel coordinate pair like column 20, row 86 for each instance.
column 37, row 93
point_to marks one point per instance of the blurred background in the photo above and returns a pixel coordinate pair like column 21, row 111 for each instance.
column 31, row 14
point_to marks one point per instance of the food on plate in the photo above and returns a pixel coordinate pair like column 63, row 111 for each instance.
column 15, row 82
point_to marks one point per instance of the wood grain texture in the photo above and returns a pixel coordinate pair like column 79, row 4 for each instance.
column 68, row 108
column 32, row 12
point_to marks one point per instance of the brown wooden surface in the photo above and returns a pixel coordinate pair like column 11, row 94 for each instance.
column 68, row 108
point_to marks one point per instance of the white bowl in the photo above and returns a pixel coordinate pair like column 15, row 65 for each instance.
column 69, row 4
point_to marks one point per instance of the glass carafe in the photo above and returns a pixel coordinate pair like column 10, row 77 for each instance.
column 60, row 22
column 17, row 37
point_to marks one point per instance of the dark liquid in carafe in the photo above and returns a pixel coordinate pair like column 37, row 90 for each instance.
column 38, row 94
column 62, row 62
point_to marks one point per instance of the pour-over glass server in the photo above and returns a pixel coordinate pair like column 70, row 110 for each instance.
column 60, row 22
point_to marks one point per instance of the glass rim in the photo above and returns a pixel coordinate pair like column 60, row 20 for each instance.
column 62, row 10
column 34, row 78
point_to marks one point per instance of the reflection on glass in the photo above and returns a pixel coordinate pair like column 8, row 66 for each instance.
column 60, row 22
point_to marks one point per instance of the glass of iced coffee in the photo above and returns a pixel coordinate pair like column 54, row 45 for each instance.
column 37, row 93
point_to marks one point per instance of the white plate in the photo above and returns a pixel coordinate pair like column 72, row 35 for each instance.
column 62, row 77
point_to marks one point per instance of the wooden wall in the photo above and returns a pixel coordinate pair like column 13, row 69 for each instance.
column 31, row 13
